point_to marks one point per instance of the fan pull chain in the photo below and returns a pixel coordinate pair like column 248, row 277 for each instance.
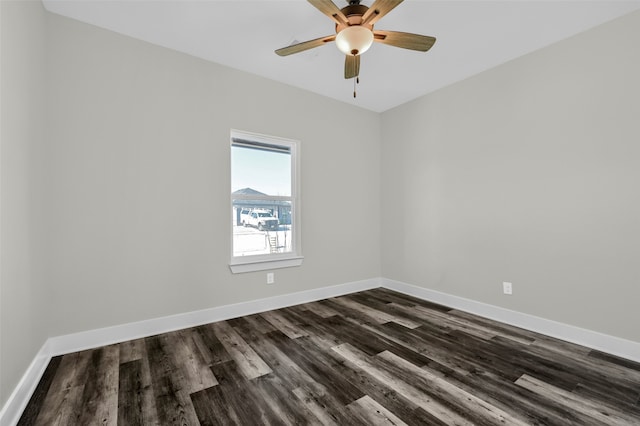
column 355, row 81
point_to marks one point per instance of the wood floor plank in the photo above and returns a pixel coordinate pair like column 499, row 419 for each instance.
column 292, row 376
column 240, row 398
column 321, row 367
column 612, row 359
column 404, row 408
column 310, row 401
column 316, row 397
column 194, row 366
column 419, row 398
column 63, row 408
column 431, row 389
column 66, row 390
column 359, row 337
column 447, row 321
column 34, row 406
column 247, row 330
column 212, row 409
column 434, row 356
column 372, row 413
column 70, row 371
column 259, row 323
column 320, row 309
column 378, row 316
column 597, row 411
column 396, row 309
column 515, row 333
column 130, row 401
column 131, row 350
column 560, row 347
column 436, row 345
column 587, row 364
column 507, row 395
column 287, row 370
column 248, row 361
column 627, row 401
column 283, row 324
column 401, row 298
column 315, row 330
column 210, row 347
column 149, row 408
column 481, row 409
column 367, row 358
column 368, row 333
column 173, row 404
column 283, row 402
column 566, row 373
column 99, row 400
column 136, row 401
column 469, row 352
column 609, row 381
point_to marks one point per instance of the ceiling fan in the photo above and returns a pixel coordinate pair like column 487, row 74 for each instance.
column 355, row 33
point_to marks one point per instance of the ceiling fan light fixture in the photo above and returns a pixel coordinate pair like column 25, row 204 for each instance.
column 354, row 40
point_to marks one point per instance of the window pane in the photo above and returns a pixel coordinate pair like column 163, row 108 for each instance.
column 261, row 227
column 265, row 171
column 264, row 202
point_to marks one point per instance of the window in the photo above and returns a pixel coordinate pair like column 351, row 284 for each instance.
column 265, row 202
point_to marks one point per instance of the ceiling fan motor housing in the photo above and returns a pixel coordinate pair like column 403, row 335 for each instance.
column 354, row 13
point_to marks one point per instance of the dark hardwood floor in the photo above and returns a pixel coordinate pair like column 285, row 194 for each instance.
column 375, row 357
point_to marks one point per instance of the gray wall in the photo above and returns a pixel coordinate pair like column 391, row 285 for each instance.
column 133, row 184
column 526, row 173
column 139, row 180
column 22, row 314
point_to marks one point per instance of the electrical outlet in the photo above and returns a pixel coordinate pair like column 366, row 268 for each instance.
column 271, row 278
column 507, row 288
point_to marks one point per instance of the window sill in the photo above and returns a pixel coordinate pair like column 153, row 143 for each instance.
column 239, row 267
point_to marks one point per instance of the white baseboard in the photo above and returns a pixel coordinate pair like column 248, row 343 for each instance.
column 59, row 345
column 121, row 333
column 610, row 344
column 17, row 402
column 15, row 405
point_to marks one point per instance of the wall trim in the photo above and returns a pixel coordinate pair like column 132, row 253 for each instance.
column 17, row 402
column 135, row 330
column 15, row 405
column 627, row 349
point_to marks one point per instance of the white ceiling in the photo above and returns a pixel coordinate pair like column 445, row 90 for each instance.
column 472, row 36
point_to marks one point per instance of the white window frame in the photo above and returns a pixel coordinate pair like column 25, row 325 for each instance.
column 241, row 264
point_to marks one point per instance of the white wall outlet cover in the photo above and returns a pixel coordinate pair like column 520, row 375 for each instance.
column 507, row 288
